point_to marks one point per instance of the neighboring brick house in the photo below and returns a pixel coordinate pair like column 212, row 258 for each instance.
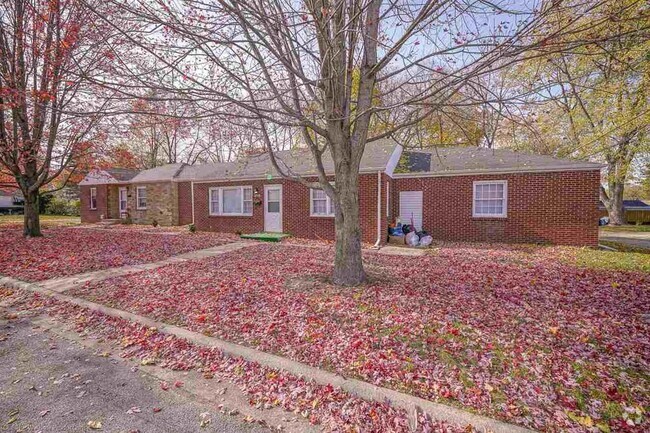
column 100, row 193
column 456, row 194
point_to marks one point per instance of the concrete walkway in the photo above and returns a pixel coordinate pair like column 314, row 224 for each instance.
column 413, row 405
column 632, row 239
column 62, row 284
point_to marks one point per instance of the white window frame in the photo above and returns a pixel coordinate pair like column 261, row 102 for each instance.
column 328, row 203
column 220, row 191
column 93, row 195
column 137, row 198
column 504, row 213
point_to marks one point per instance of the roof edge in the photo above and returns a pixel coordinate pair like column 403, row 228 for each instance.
column 275, row 177
column 596, row 167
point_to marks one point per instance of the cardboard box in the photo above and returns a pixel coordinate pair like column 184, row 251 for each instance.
column 396, row 240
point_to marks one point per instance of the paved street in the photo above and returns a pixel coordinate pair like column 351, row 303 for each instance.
column 49, row 384
column 633, row 239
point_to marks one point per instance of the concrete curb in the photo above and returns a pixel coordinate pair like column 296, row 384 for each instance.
column 356, row 387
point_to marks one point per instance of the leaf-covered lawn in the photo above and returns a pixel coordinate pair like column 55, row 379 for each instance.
column 513, row 333
column 68, row 251
column 332, row 408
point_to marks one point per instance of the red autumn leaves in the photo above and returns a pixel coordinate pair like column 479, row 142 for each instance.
column 510, row 332
column 69, row 251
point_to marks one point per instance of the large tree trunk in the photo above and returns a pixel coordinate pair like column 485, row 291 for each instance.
column 32, row 225
column 348, row 265
column 613, row 201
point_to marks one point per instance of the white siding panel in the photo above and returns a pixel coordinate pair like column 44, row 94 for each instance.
column 410, row 207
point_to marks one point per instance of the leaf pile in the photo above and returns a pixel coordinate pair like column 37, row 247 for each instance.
column 331, row 407
column 68, row 251
column 510, row 332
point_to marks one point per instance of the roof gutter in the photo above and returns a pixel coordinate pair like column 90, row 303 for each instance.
column 494, row 171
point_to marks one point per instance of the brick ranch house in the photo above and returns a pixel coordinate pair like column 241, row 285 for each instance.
column 455, row 193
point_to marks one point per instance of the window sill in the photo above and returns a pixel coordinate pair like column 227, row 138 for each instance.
column 140, row 208
column 321, row 216
column 489, row 218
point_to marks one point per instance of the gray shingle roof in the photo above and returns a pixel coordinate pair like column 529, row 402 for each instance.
column 122, row 174
column 296, row 161
column 474, row 159
column 163, row 173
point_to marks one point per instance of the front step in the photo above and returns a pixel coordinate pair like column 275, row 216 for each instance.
column 109, row 222
column 265, row 236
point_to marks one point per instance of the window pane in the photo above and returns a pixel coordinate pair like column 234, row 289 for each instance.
column 320, row 207
column 318, row 194
column 248, row 207
column 273, row 195
column 214, row 201
column 331, row 209
column 273, row 206
column 248, row 194
column 232, row 201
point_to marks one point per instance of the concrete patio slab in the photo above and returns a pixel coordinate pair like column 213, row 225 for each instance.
column 402, row 251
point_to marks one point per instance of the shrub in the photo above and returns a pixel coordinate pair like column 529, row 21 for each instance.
column 61, row 206
column 154, row 222
column 192, row 228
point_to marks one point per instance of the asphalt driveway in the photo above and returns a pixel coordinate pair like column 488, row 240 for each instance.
column 51, row 385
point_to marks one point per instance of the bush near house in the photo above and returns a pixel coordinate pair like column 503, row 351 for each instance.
column 62, row 206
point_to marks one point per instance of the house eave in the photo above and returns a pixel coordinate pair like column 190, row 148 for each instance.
column 453, row 173
column 265, row 178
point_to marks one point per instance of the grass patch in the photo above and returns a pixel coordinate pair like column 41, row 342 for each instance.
column 51, row 219
column 614, row 260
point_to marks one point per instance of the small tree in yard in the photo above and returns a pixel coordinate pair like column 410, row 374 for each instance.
column 47, row 114
column 338, row 73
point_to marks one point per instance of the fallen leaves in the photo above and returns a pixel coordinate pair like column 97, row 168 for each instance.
column 66, row 251
column 334, row 409
column 95, row 425
column 511, row 332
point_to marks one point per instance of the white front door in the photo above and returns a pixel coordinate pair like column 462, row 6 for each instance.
column 273, row 208
column 410, row 208
column 122, row 200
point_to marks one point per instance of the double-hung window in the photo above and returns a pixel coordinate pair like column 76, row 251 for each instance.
column 321, row 204
column 93, row 198
column 141, row 197
column 490, row 199
column 231, row 200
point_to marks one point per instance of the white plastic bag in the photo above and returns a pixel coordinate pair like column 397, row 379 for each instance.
column 426, row 240
column 412, row 239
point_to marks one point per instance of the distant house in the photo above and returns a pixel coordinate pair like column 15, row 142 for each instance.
column 636, row 211
column 11, row 201
column 456, row 194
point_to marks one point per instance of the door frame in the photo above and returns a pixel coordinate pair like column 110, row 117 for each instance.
column 279, row 188
column 119, row 199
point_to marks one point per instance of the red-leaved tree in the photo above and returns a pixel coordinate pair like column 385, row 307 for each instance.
column 49, row 113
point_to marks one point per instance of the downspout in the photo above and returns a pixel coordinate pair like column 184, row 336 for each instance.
column 378, row 243
column 192, row 195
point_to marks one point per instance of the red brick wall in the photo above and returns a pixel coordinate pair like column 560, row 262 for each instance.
column 93, row 215
column 295, row 210
column 184, row 203
column 559, row 208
